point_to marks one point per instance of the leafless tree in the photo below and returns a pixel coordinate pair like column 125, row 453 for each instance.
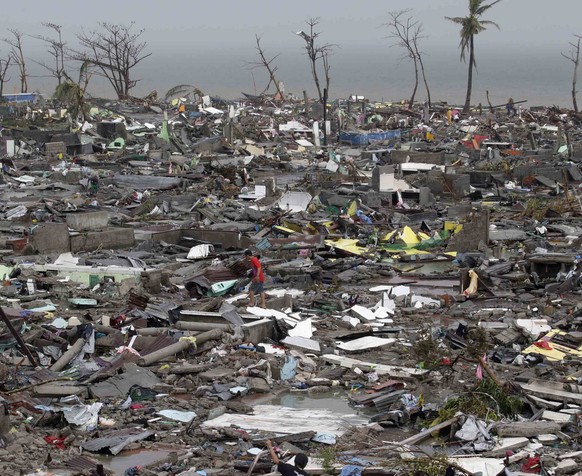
column 574, row 56
column 317, row 54
column 419, row 54
column 115, row 50
column 406, row 33
column 4, row 65
column 56, row 48
column 268, row 64
column 17, row 55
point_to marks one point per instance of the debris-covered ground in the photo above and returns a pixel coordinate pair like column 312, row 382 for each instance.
column 422, row 276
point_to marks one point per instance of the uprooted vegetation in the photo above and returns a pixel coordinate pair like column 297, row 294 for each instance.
column 486, row 401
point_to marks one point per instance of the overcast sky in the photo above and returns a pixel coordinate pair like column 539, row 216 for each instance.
column 207, row 41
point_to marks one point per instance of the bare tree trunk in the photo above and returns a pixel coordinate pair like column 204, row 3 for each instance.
column 467, row 106
column 415, row 82
column 315, row 53
column 576, row 62
column 17, row 55
column 4, row 65
column 326, row 68
column 408, row 32
column 316, row 79
column 424, row 78
column 23, row 79
column 55, row 49
column 489, row 102
column 574, row 102
column 271, row 70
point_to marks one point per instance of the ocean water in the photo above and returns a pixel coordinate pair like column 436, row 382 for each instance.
column 540, row 77
column 377, row 73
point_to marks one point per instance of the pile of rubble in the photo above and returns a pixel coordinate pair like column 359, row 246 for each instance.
column 422, row 289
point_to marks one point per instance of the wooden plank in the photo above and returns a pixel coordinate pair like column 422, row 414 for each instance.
column 402, row 373
column 551, row 391
column 557, row 416
column 423, row 435
column 367, row 398
column 527, row 428
column 543, row 403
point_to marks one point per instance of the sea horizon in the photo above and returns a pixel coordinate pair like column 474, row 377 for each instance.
column 540, row 78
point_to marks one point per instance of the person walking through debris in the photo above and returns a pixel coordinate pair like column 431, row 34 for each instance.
column 93, row 185
column 287, row 469
column 510, row 107
column 258, row 280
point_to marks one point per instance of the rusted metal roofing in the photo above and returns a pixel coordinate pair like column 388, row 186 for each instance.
column 138, row 301
column 160, row 342
column 81, row 463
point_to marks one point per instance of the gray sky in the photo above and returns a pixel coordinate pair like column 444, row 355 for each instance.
column 207, row 43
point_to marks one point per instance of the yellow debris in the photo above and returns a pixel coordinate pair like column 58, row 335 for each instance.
column 352, row 209
column 408, row 236
column 423, row 236
column 558, row 351
column 284, row 229
column 453, row 227
column 350, row 246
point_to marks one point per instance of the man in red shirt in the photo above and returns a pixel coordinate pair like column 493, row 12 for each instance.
column 258, row 281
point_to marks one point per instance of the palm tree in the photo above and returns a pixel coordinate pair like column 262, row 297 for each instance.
column 472, row 25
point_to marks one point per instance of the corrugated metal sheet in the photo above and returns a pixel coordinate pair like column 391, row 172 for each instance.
column 116, row 440
column 41, row 375
column 138, row 301
column 127, row 357
column 239, row 268
column 23, row 399
column 81, row 463
column 160, row 342
column 107, row 367
column 216, row 274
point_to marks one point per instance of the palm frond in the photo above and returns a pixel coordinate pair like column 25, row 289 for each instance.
column 489, row 22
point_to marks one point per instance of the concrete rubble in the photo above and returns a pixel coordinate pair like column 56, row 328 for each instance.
column 423, row 281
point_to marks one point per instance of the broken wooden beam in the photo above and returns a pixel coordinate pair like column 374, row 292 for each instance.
column 423, row 435
column 527, row 428
column 18, row 338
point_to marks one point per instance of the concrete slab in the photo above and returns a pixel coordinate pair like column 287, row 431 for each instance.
column 51, row 238
column 119, row 385
column 216, row 373
column 88, row 220
column 302, row 343
column 114, row 238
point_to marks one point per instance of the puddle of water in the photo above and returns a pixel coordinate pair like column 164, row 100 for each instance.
column 128, row 459
column 428, row 267
column 337, row 402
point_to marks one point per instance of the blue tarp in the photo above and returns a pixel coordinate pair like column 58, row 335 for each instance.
column 351, row 470
column 21, row 97
column 358, row 138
